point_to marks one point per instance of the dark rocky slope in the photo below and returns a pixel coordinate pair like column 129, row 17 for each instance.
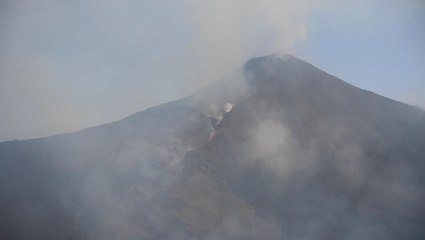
column 302, row 155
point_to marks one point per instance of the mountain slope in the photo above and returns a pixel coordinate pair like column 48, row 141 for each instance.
column 302, row 155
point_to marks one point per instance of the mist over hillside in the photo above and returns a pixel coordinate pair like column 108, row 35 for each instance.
column 299, row 154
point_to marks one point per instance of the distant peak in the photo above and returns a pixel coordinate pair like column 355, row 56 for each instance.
column 276, row 57
column 282, row 56
column 273, row 62
column 275, row 68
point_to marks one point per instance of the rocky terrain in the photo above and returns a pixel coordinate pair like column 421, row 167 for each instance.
column 300, row 155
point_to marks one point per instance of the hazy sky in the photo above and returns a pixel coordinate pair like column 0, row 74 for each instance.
column 67, row 65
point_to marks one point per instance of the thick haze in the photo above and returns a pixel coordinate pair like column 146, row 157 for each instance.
column 301, row 155
column 66, row 65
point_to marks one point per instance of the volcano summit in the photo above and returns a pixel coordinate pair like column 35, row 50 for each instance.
column 278, row 150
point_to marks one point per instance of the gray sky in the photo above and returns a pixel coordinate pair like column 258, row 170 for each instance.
column 67, row 65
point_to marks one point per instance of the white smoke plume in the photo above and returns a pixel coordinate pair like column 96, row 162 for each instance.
column 104, row 60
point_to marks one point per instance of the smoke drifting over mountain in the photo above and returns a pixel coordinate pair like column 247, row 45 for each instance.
column 301, row 155
column 98, row 61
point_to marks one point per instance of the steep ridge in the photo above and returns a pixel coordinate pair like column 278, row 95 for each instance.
column 302, row 155
column 326, row 160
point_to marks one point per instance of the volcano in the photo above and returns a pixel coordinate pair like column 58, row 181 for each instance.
column 299, row 154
